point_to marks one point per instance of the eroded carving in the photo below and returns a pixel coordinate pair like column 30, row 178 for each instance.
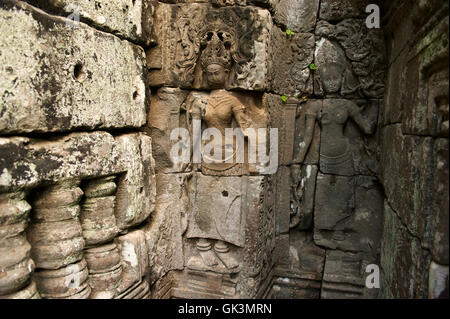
column 55, row 231
column 68, row 282
column 245, row 32
column 353, row 53
column 97, row 211
column 105, row 270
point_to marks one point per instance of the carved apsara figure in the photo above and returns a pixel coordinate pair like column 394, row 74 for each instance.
column 219, row 110
column 336, row 158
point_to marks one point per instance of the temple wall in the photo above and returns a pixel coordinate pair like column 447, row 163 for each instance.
column 107, row 189
column 414, row 151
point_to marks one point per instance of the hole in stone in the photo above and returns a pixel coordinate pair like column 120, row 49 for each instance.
column 225, row 194
column 135, row 95
column 78, row 72
column 133, row 2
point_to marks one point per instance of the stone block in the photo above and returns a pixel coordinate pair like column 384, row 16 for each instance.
column 332, row 10
column 167, row 225
column 343, row 276
column 134, row 256
column 167, row 112
column 136, row 189
column 58, row 79
column 27, row 163
column 123, row 18
column 404, row 263
column 440, row 203
column 291, row 57
column 281, row 116
column 296, row 15
column 183, row 30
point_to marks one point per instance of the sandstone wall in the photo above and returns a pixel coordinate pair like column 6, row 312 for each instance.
column 77, row 178
column 414, row 157
column 94, row 204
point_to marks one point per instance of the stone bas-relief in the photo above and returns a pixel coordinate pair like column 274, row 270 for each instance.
column 182, row 32
column 291, row 57
column 350, row 53
column 69, row 209
column 93, row 203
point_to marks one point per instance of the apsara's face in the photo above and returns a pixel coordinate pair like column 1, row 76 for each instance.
column 331, row 76
column 216, row 75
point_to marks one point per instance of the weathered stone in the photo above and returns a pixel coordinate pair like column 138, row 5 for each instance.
column 440, row 203
column 134, row 256
column 301, row 278
column 56, row 241
column 167, row 112
column 333, row 10
column 14, row 214
column 28, row 162
column 257, row 258
column 351, row 58
column 207, row 285
column 343, row 276
column 128, row 154
column 102, row 258
column 136, row 189
column 182, row 29
column 140, row 290
column 282, row 200
column 303, row 185
column 97, row 211
column 334, row 203
column 225, row 221
column 168, row 223
column 69, row 282
column 281, row 116
column 284, row 287
column 105, row 270
column 307, row 133
column 438, row 281
column 305, row 257
column 225, row 248
column 281, row 251
column 294, row 204
column 291, row 57
column 30, row 292
column 343, row 149
column 404, row 262
column 425, row 102
column 408, row 181
column 16, row 265
column 354, row 219
column 396, row 88
column 61, row 81
column 296, row 15
column 123, row 18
